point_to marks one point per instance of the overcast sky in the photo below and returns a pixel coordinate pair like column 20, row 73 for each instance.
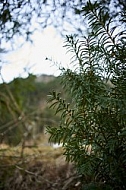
column 46, row 44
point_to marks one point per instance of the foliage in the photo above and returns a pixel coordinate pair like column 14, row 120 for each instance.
column 22, row 18
column 93, row 129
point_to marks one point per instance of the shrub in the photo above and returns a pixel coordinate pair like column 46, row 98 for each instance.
column 93, row 129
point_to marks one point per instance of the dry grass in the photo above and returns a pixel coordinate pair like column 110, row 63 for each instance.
column 38, row 168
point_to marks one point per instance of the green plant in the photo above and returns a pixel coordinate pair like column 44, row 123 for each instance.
column 93, row 131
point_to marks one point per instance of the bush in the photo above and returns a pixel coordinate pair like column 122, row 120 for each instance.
column 93, row 131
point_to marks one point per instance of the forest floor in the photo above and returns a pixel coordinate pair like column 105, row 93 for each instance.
column 36, row 168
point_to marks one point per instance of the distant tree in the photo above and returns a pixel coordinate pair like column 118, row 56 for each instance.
column 23, row 108
column 93, row 130
column 15, row 109
column 23, row 17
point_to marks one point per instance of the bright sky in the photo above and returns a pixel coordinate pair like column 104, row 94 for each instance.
column 46, row 44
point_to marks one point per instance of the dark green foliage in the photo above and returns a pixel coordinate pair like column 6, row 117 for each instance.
column 93, row 128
